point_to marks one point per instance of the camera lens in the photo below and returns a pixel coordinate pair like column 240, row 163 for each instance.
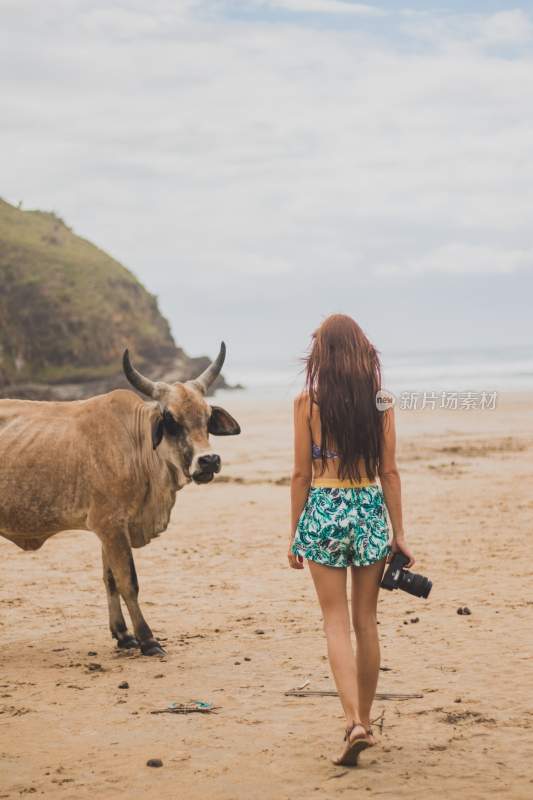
column 414, row 584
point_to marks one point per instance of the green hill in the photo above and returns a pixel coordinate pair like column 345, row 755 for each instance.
column 67, row 309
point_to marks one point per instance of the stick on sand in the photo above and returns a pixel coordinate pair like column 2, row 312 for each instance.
column 330, row 693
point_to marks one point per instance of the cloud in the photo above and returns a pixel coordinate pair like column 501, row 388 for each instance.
column 120, row 22
column 253, row 169
column 500, row 31
column 506, row 28
column 323, row 7
column 461, row 258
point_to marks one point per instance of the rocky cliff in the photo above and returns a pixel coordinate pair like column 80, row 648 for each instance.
column 68, row 310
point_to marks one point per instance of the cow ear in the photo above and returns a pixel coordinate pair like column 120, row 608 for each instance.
column 157, row 431
column 221, row 423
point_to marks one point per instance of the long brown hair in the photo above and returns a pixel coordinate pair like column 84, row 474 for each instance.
column 343, row 374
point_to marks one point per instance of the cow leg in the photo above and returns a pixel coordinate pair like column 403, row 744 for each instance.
column 119, row 557
column 117, row 624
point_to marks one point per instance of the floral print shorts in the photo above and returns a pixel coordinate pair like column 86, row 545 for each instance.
column 343, row 527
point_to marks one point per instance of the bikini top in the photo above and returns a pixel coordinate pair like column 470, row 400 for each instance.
column 318, row 452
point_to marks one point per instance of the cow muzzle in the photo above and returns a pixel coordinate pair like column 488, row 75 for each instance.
column 206, row 467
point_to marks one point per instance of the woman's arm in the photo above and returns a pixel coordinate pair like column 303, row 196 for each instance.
column 302, row 472
column 391, row 484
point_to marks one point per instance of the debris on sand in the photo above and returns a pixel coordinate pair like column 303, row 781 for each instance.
column 124, row 685
column 13, row 711
column 455, row 717
column 338, row 775
column 154, row 762
column 379, row 721
column 188, row 708
column 464, row 610
column 331, row 693
column 94, row 667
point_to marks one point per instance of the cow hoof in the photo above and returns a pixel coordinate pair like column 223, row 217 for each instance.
column 152, row 648
column 127, row 643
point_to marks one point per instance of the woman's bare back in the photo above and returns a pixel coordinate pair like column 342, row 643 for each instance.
column 332, row 464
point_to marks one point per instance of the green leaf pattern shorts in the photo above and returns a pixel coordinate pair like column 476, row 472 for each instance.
column 343, row 527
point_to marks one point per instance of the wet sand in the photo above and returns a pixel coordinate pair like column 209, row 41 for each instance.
column 241, row 629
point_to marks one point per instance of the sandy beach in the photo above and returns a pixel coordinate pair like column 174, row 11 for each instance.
column 241, row 628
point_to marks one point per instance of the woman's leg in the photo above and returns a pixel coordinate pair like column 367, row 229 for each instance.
column 365, row 589
column 330, row 584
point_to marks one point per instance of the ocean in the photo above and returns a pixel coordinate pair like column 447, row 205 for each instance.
column 506, row 369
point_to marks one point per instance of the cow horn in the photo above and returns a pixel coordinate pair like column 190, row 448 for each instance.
column 209, row 375
column 138, row 381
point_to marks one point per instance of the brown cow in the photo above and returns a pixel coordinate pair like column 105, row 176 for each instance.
column 111, row 464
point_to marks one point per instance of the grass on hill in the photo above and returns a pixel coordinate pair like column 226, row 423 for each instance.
column 67, row 309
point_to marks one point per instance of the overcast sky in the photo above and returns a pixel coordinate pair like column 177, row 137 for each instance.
column 261, row 163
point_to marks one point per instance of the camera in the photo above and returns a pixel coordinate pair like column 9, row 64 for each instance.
column 397, row 577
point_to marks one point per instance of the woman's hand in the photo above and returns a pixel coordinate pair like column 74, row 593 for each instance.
column 296, row 562
column 399, row 545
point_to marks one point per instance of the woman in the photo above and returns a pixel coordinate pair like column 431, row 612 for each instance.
column 342, row 443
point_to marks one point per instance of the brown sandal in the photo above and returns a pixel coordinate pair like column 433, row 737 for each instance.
column 353, row 746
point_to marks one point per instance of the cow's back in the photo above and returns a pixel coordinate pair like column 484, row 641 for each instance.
column 54, row 458
column 41, row 474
